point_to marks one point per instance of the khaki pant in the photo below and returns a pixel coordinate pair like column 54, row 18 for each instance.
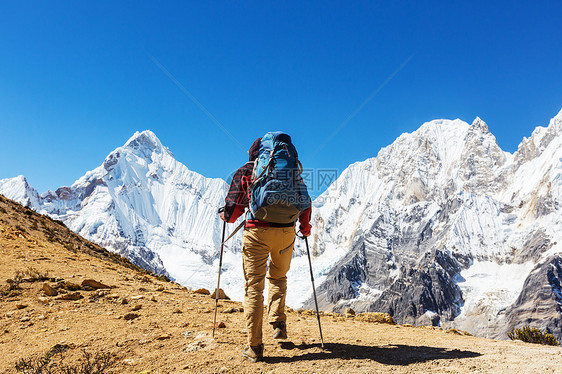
column 258, row 244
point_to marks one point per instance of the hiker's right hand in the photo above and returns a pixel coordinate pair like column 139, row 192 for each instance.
column 222, row 216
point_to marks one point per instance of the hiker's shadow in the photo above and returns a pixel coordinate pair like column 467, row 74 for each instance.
column 390, row 354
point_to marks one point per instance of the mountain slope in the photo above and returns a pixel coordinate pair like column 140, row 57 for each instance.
column 444, row 226
column 145, row 205
column 151, row 325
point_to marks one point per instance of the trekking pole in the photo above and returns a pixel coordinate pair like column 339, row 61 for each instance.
column 314, row 290
column 219, row 280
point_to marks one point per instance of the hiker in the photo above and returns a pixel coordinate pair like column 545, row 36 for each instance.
column 272, row 235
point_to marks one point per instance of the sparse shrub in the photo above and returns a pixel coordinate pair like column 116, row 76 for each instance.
column 532, row 335
column 14, row 283
column 13, row 288
column 20, row 228
column 53, row 362
column 36, row 276
column 49, row 233
column 69, row 246
column 34, row 226
column 2, row 210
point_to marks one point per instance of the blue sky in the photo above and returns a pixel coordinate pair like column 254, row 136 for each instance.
column 77, row 78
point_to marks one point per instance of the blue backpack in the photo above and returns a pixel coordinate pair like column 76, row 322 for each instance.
column 278, row 193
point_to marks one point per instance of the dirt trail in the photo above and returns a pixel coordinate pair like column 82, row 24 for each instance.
column 154, row 326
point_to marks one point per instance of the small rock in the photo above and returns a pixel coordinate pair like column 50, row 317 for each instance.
column 222, row 295
column 160, row 289
column 71, row 286
column 42, row 317
column 136, row 307
column 25, row 319
column 113, row 296
column 195, row 346
column 187, row 334
column 230, row 310
column 203, row 291
column 49, row 291
column 124, row 301
column 21, row 306
column 163, row 337
column 43, row 300
column 70, row 296
column 220, row 325
column 153, row 298
column 138, row 297
column 177, row 311
column 349, row 312
column 223, row 370
column 93, row 284
column 131, row 316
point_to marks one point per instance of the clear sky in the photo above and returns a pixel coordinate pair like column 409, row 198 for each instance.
column 77, row 79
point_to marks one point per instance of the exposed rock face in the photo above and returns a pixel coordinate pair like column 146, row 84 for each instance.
column 540, row 302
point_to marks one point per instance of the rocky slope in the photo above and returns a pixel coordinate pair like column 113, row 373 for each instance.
column 144, row 324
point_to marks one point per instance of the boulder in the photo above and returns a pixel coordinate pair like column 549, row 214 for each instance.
column 131, row 316
column 222, row 295
column 93, row 284
column 70, row 296
column 49, row 291
column 203, row 291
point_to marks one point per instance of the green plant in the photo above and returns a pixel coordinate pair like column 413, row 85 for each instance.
column 532, row 335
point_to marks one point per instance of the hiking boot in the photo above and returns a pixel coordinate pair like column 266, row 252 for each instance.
column 253, row 354
column 280, row 330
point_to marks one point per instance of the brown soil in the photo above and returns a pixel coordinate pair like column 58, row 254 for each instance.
column 165, row 328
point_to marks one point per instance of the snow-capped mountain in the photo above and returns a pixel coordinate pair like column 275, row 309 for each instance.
column 147, row 206
column 441, row 227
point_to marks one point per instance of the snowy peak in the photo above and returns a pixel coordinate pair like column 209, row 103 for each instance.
column 18, row 189
column 142, row 148
column 480, row 125
column 482, row 160
column 145, row 140
column 539, row 140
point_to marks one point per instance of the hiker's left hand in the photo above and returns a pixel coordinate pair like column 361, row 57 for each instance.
column 222, row 216
column 305, row 231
